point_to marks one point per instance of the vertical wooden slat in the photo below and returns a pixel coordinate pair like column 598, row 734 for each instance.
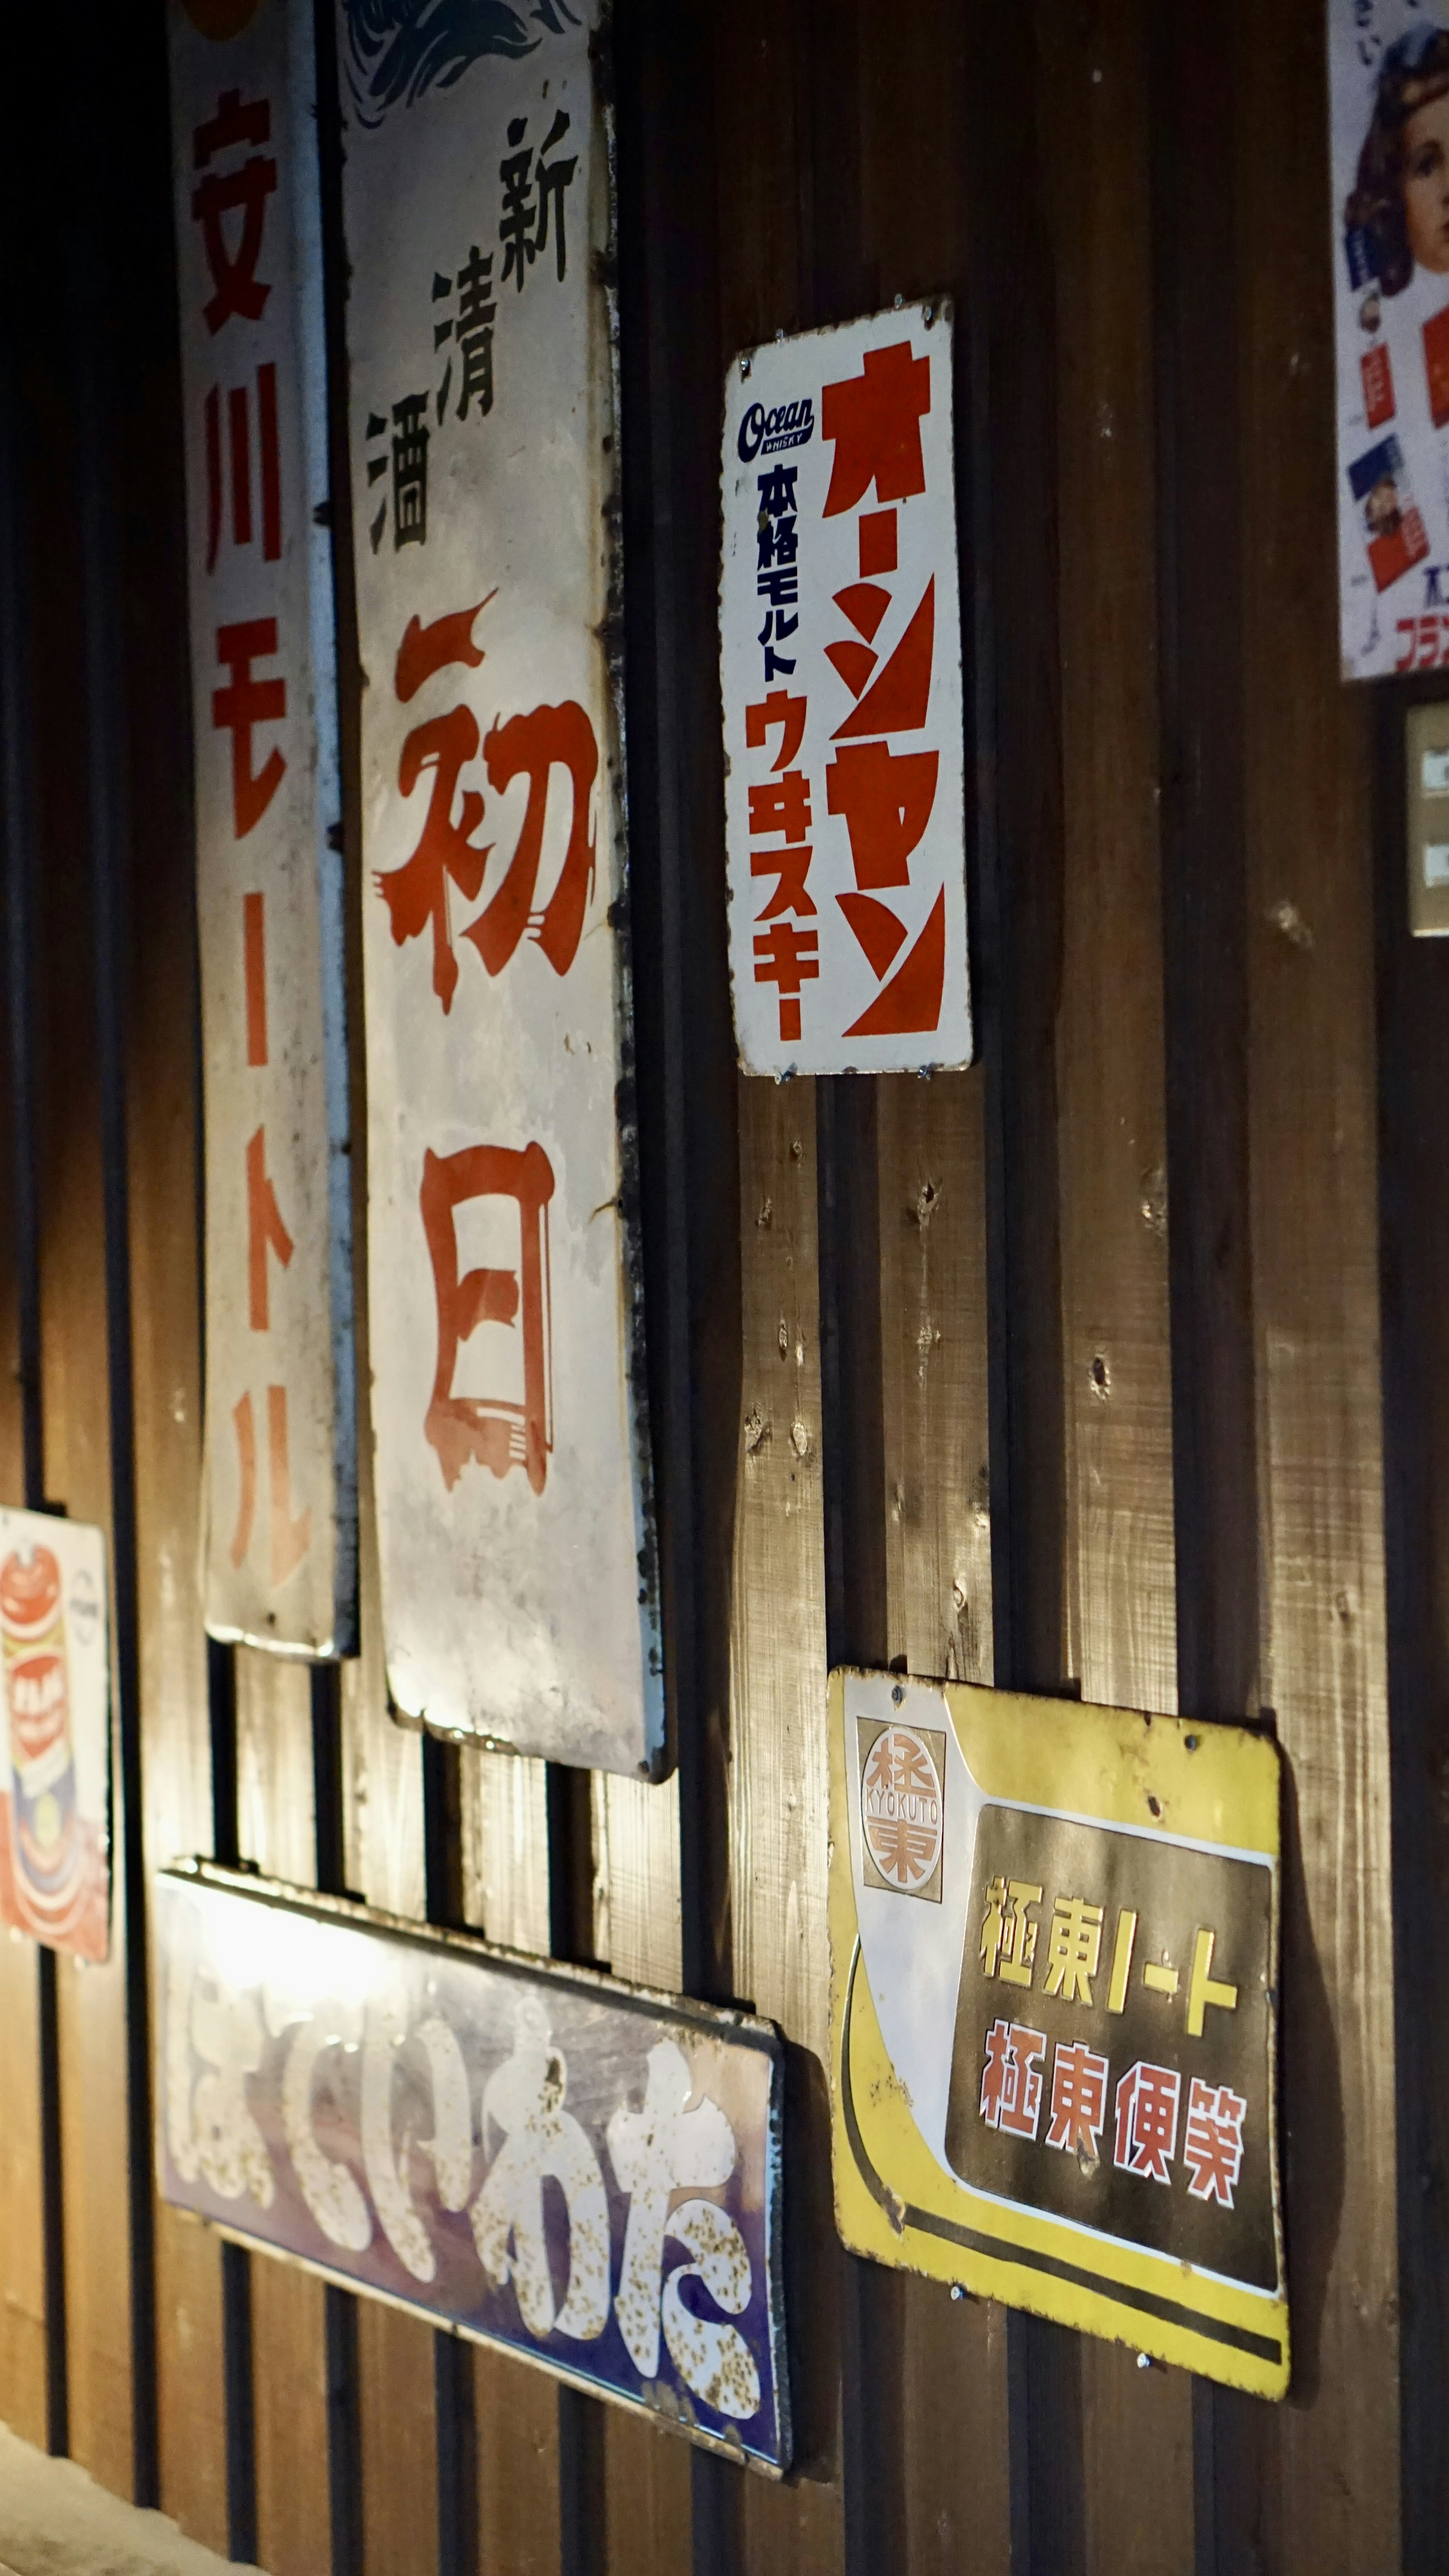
column 1316, row 1311
column 164, row 1220
column 25, row 2347
column 91, row 2002
column 397, row 2419
column 1120, row 1567
column 276, row 1829
column 504, row 1833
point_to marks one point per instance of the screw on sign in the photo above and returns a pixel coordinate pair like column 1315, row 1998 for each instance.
column 900, row 1804
column 50, row 1881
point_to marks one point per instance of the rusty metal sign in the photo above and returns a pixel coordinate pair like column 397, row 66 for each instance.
column 514, row 1492
column 840, row 661
column 538, row 2157
column 55, row 1787
column 1054, row 1944
column 279, row 1536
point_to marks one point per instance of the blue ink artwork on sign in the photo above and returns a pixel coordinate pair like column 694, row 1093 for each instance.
column 399, row 49
column 534, row 2156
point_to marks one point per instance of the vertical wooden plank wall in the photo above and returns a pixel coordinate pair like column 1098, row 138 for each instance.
column 1066, row 1370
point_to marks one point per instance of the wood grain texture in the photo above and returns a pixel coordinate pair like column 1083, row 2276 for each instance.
column 955, row 2475
column 1316, row 1304
column 75, row 1396
column 164, row 1215
column 22, row 2266
column 1120, row 1564
column 276, row 1821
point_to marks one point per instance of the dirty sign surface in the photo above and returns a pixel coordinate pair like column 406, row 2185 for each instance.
column 279, row 1538
column 513, row 1481
column 840, row 658
column 544, row 2159
column 55, row 1788
column 1054, row 1941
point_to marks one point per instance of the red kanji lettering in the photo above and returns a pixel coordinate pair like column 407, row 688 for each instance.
column 533, row 746
column 416, row 893
column 496, row 1430
column 236, row 288
column 1079, row 2100
column 243, row 703
column 1147, row 2100
column 1011, row 2078
column 239, row 444
column 1212, row 2141
column 875, row 421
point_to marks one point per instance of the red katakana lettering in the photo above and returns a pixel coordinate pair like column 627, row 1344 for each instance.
column 885, row 798
column 265, row 1231
column 497, row 1430
column 1011, row 2078
column 1147, row 2100
column 781, row 805
column 790, row 869
column 1212, row 2141
column 875, row 421
column 777, row 708
column 235, row 284
column 1079, row 2100
column 246, row 702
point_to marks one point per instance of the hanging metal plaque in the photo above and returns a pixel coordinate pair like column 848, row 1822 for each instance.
column 1054, row 1945
column 538, row 2157
column 279, row 1533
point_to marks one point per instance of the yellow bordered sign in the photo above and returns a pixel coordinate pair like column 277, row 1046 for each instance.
column 1054, row 1970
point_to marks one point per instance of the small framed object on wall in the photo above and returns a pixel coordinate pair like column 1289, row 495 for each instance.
column 1426, row 817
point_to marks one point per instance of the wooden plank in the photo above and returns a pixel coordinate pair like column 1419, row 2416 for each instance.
column 938, row 1557
column 1111, row 1069
column 1316, row 1311
column 22, row 2200
column 276, row 1829
column 91, row 2002
column 504, row 1835
column 167, row 1388
column 383, row 1811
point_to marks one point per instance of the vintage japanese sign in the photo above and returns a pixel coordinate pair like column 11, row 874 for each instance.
column 279, row 1538
column 513, row 1474
column 539, row 2157
column 840, row 659
column 1054, row 1941
column 1389, row 93
column 55, row 1787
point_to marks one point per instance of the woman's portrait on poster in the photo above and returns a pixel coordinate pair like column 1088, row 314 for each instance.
column 1401, row 200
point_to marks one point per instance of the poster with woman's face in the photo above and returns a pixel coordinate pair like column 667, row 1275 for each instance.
column 1389, row 89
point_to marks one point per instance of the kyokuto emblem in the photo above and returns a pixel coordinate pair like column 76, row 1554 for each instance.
column 903, row 1808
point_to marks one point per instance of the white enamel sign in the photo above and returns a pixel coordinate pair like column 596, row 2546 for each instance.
column 1389, row 95
column 55, row 1780
column 840, row 658
column 513, row 1484
column 279, row 1538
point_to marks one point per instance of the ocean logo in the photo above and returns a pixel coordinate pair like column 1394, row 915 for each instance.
column 397, row 50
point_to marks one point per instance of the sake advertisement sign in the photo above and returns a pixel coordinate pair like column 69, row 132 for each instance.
column 1054, row 1944
column 55, row 1783
column 1389, row 95
column 513, row 1465
column 541, row 2158
column 840, row 667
